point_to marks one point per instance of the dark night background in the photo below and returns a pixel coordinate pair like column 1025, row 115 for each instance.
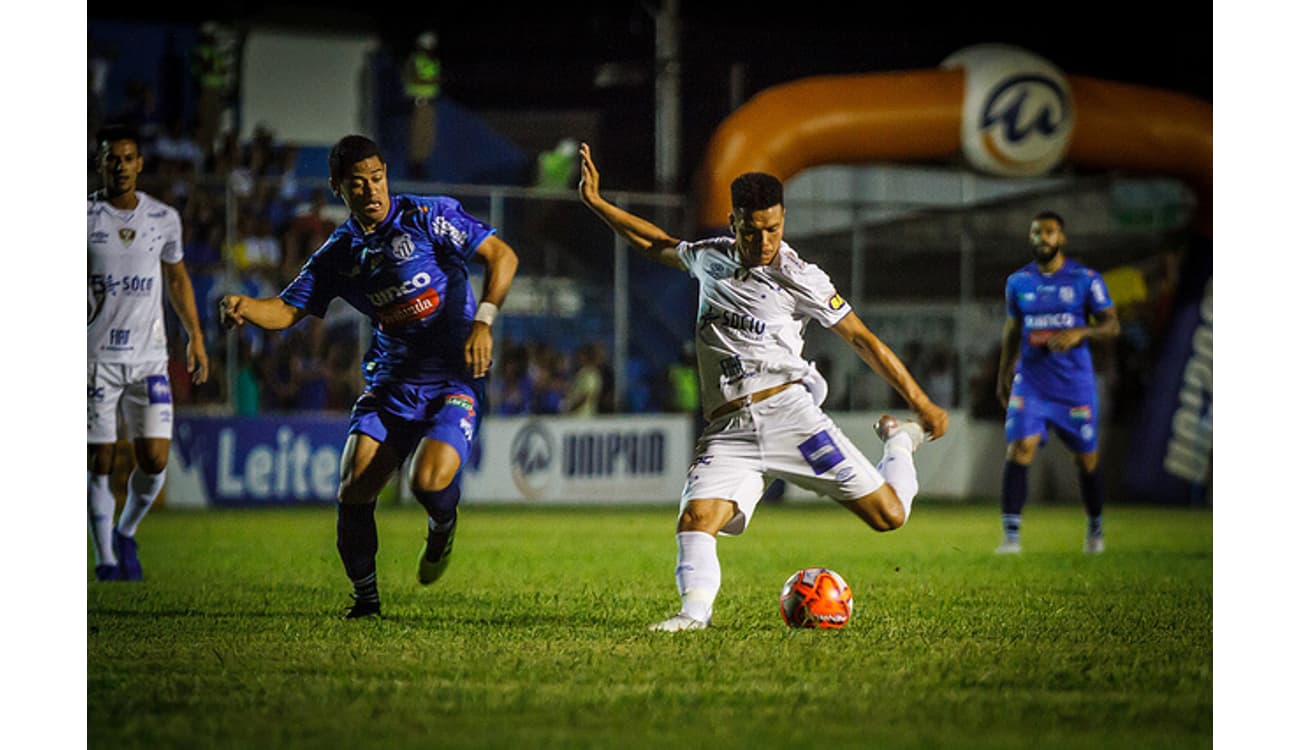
column 502, row 57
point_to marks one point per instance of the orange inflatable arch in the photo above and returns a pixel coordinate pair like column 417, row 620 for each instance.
column 917, row 116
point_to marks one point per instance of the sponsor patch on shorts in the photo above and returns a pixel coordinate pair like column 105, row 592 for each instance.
column 820, row 452
column 1081, row 412
column 158, row 389
column 1016, row 402
column 462, row 401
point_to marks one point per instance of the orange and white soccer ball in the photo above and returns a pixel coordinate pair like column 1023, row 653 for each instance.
column 816, row 598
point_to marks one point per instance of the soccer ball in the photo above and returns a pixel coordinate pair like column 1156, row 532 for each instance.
column 816, row 598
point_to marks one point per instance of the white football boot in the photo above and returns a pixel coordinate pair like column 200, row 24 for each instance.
column 679, row 621
column 1094, row 545
column 888, row 426
column 1007, row 547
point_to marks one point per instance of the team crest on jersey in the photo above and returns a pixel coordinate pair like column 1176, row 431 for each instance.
column 835, row 302
column 716, row 270
column 1067, row 294
column 127, row 234
column 402, row 247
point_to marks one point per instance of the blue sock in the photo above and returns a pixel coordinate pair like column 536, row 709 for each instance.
column 441, row 504
column 358, row 541
column 1015, row 487
column 1091, row 488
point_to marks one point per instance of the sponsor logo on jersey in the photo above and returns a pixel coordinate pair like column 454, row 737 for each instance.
column 1028, row 296
column 409, row 311
column 402, row 247
column 98, row 237
column 1081, row 412
column 835, row 302
column 1050, row 320
column 126, row 234
column 738, row 321
column 443, row 228
column 397, row 291
column 158, row 389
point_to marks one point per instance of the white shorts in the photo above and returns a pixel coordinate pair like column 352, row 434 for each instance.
column 142, row 393
column 783, row 437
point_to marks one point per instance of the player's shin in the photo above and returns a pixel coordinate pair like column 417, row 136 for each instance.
column 1015, row 488
column 1090, row 486
column 440, row 504
column 141, row 490
column 899, row 471
column 699, row 574
column 100, row 504
column 358, row 541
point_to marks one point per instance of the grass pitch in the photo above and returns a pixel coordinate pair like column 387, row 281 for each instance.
column 536, row 636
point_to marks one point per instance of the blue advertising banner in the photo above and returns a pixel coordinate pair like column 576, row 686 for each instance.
column 1170, row 457
column 255, row 461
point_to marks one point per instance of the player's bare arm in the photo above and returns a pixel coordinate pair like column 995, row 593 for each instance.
column 1105, row 326
column 500, row 263
column 1011, row 331
column 268, row 313
column 180, row 291
column 644, row 237
column 881, row 359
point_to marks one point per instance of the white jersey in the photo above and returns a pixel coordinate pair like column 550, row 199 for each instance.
column 124, row 284
column 750, row 324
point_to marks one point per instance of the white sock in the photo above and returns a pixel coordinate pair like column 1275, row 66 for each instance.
column 899, row 472
column 100, row 504
column 141, row 489
column 699, row 574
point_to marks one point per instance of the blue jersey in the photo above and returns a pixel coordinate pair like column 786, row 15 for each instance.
column 411, row 278
column 1044, row 305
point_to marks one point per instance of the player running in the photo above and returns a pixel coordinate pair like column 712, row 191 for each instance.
column 1045, row 376
column 133, row 251
column 761, row 399
column 403, row 263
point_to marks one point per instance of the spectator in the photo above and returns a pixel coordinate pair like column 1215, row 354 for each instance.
column 422, row 82
column 583, row 396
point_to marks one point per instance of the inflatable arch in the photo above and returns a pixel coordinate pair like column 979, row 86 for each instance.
column 989, row 94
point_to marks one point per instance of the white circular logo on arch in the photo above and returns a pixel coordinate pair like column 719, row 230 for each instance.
column 1017, row 114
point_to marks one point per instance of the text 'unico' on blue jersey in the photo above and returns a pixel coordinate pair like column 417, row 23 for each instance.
column 410, row 277
column 1046, row 304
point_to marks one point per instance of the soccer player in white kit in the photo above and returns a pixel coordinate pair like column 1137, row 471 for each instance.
column 133, row 251
column 761, row 399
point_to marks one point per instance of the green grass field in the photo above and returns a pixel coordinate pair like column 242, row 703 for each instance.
column 536, row 637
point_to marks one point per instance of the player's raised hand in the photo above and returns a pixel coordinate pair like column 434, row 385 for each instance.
column 589, row 181
column 231, row 307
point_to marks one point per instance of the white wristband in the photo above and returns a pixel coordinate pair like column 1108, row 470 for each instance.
column 486, row 313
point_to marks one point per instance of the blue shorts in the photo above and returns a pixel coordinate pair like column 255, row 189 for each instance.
column 401, row 415
column 1030, row 414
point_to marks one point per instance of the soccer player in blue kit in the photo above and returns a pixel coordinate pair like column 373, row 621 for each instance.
column 403, row 263
column 1055, row 306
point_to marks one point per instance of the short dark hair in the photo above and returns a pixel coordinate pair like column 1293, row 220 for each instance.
column 116, row 132
column 349, row 150
column 1054, row 216
column 755, row 191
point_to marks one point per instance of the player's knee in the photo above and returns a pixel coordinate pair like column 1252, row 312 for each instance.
column 352, row 492
column 432, row 478
column 705, row 517
column 889, row 515
column 99, row 459
column 152, row 460
column 1087, row 462
column 1022, row 451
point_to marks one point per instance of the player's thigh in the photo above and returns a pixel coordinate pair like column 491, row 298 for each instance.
column 727, row 469
column 445, row 444
column 804, row 446
column 434, row 465
column 105, row 384
column 99, row 457
column 147, row 403
column 1077, row 426
column 709, row 514
column 1025, row 427
column 365, row 466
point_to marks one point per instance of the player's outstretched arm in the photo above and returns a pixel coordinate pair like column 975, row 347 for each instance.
column 180, row 291
column 500, row 263
column 886, row 364
column 644, row 237
column 269, row 313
